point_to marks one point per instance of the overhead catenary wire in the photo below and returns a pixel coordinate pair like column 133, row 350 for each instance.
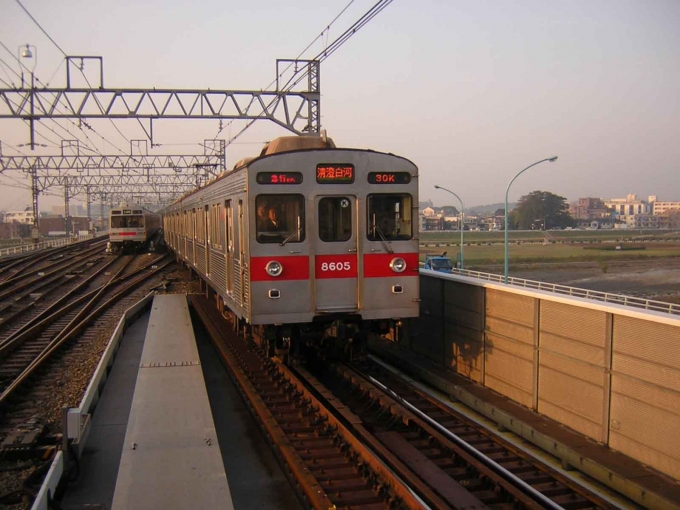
column 59, row 125
column 327, row 52
column 83, row 73
column 326, row 30
column 54, row 96
column 40, row 27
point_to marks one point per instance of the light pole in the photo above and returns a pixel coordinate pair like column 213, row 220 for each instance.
column 462, row 221
column 25, row 52
column 506, row 209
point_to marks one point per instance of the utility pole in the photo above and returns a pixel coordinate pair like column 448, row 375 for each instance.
column 35, row 230
column 66, row 206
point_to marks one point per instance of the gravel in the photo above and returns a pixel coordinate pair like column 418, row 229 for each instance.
column 69, row 374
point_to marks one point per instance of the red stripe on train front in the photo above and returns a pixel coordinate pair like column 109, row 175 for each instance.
column 295, row 267
column 377, row 265
column 335, row 266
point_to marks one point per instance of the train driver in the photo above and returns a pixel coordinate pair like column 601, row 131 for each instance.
column 273, row 223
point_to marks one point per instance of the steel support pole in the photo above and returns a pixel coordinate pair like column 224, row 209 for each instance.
column 66, row 206
column 35, row 231
column 506, row 211
column 462, row 223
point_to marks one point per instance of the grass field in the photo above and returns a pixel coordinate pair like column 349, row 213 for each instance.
column 570, row 246
column 566, row 236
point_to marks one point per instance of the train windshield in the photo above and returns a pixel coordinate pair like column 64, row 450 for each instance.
column 135, row 221
column 389, row 217
column 335, row 219
column 280, row 218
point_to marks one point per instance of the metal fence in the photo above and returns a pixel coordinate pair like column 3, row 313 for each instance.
column 52, row 243
column 618, row 299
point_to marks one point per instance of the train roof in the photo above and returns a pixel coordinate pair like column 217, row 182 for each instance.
column 281, row 145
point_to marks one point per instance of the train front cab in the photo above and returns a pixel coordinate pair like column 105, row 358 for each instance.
column 344, row 263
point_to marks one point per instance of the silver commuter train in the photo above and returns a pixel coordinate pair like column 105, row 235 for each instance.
column 306, row 243
column 130, row 227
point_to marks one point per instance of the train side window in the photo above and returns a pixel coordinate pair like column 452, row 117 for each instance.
column 389, row 217
column 280, row 218
column 335, row 219
column 229, row 228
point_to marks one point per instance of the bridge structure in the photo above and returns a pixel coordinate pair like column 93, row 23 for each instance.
column 590, row 377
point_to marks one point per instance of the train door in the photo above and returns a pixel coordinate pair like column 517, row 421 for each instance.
column 242, row 254
column 336, row 261
column 185, row 226
column 207, row 226
column 194, row 231
column 229, row 236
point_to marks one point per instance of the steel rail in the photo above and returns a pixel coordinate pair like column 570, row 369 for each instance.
column 453, row 497
column 395, row 440
column 39, row 255
column 308, row 439
column 63, row 266
column 551, row 483
column 507, row 475
column 20, row 304
column 32, row 270
column 75, row 327
column 54, row 306
column 42, row 322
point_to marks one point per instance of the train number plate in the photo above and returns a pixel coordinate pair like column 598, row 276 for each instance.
column 335, row 266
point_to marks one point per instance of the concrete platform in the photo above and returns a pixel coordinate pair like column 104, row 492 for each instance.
column 171, row 456
column 167, row 368
column 636, row 481
column 96, row 480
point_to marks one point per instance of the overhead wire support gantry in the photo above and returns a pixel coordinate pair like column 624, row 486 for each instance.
column 296, row 110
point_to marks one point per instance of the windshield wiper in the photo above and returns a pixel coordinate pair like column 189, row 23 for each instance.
column 295, row 233
column 383, row 239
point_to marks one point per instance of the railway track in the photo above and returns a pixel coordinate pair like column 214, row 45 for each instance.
column 328, row 465
column 363, row 438
column 493, row 470
column 27, row 348
column 56, row 373
column 18, row 300
column 17, row 266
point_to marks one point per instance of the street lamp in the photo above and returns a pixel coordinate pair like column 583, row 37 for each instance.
column 25, row 52
column 462, row 221
column 506, row 209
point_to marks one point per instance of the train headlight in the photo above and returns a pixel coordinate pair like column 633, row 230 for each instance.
column 274, row 268
column 398, row 265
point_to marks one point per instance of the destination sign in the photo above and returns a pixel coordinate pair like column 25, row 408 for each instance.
column 389, row 178
column 335, row 174
column 279, row 178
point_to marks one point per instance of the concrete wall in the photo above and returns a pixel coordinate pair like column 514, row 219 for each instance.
column 607, row 371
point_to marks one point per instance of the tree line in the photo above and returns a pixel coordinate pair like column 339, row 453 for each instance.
column 539, row 210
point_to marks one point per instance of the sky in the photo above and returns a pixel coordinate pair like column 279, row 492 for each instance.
column 471, row 92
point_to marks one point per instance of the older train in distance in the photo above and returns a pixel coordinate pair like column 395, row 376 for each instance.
column 131, row 228
column 306, row 244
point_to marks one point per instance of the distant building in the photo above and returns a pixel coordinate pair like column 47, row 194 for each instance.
column 669, row 220
column 9, row 230
column 56, row 225
column 588, row 209
column 660, row 208
column 600, row 224
column 25, row 217
column 641, row 221
column 629, row 206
